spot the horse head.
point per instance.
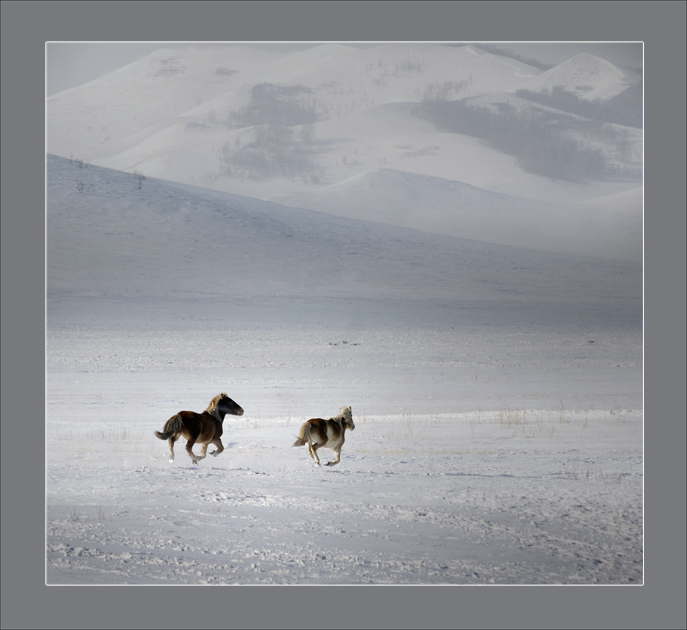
(225, 405)
(346, 416)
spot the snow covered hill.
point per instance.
(111, 233)
(586, 76)
(457, 209)
(209, 84)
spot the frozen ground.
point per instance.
(489, 452)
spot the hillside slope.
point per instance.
(109, 233)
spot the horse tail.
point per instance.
(303, 435)
(174, 425)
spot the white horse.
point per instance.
(329, 433)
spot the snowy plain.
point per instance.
(496, 391)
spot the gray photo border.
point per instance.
(29, 603)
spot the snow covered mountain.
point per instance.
(586, 76)
(393, 133)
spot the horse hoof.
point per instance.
(171, 461)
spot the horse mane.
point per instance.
(212, 407)
(345, 416)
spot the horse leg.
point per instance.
(312, 449)
(203, 451)
(171, 449)
(218, 443)
(189, 450)
(337, 457)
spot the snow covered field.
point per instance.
(511, 466)
(496, 391)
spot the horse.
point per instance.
(329, 433)
(205, 428)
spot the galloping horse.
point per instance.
(329, 433)
(204, 428)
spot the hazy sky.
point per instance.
(69, 64)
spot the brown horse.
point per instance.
(329, 433)
(204, 428)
